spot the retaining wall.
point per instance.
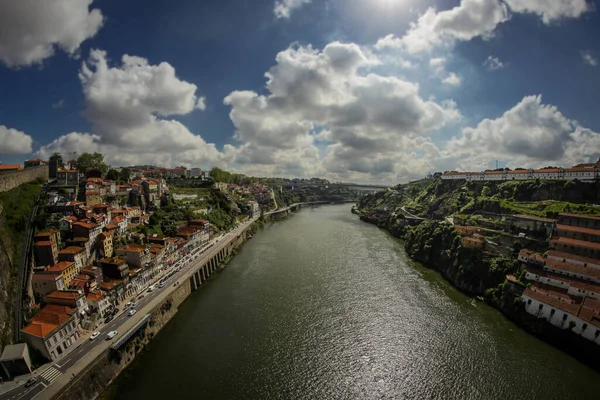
(11, 179)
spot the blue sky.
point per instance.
(363, 90)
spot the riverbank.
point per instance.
(436, 245)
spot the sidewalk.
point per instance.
(21, 379)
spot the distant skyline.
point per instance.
(380, 91)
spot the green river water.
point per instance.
(324, 306)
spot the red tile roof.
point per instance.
(579, 216)
(552, 298)
(62, 295)
(71, 250)
(573, 268)
(571, 228)
(60, 266)
(45, 243)
(575, 242)
(574, 257)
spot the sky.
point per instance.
(379, 91)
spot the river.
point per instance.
(325, 306)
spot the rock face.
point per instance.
(7, 285)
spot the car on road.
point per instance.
(150, 288)
(141, 296)
(131, 312)
(115, 311)
(161, 285)
(128, 305)
(111, 335)
(108, 318)
(31, 381)
(94, 335)
(134, 304)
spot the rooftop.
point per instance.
(567, 215)
(45, 243)
(573, 268)
(63, 295)
(570, 228)
(533, 218)
(13, 352)
(60, 266)
(573, 257)
(575, 242)
(552, 298)
(72, 250)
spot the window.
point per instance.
(528, 301)
(54, 339)
(552, 312)
(541, 306)
(583, 327)
(564, 317)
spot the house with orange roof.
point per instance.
(105, 244)
(67, 177)
(98, 301)
(135, 254)
(72, 298)
(44, 283)
(74, 254)
(88, 230)
(52, 330)
(46, 253)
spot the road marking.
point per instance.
(51, 374)
(58, 366)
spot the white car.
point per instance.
(128, 305)
(131, 312)
(94, 335)
(150, 288)
(111, 335)
(161, 285)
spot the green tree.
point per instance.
(125, 174)
(112, 175)
(486, 191)
(91, 160)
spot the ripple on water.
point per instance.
(323, 306)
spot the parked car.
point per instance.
(134, 305)
(108, 318)
(150, 288)
(115, 311)
(111, 335)
(131, 312)
(128, 305)
(94, 335)
(31, 381)
(161, 285)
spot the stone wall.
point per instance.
(11, 179)
(102, 371)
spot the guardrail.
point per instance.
(123, 339)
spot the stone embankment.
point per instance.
(11, 179)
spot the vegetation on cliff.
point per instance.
(437, 199)
(16, 205)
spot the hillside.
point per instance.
(15, 206)
(437, 199)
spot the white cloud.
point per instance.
(13, 141)
(551, 11)
(58, 104)
(529, 134)
(31, 29)
(325, 112)
(471, 18)
(493, 63)
(589, 58)
(127, 106)
(284, 8)
(438, 67)
(452, 79)
(475, 18)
